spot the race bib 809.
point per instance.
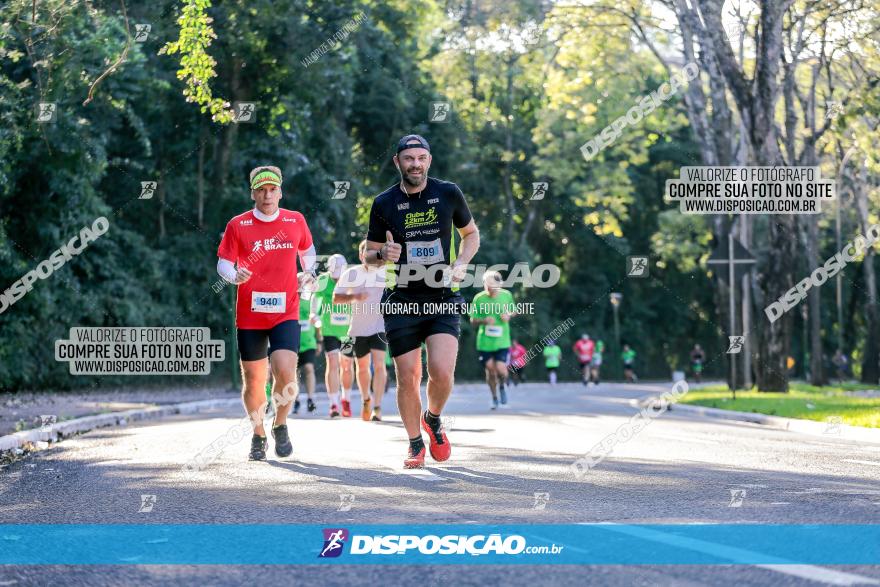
(424, 252)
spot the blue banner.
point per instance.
(579, 544)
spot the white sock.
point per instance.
(553, 378)
(334, 398)
(346, 393)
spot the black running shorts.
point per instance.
(407, 331)
(500, 355)
(254, 345)
(306, 358)
(364, 344)
(331, 343)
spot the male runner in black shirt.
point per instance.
(412, 224)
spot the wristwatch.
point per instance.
(379, 252)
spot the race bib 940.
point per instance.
(269, 302)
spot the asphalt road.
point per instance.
(508, 467)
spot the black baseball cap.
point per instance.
(413, 142)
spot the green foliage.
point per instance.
(196, 64)
(528, 88)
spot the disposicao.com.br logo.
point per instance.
(430, 544)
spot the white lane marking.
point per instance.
(821, 574)
(528, 413)
(815, 490)
(468, 473)
(423, 474)
(686, 439)
(780, 503)
(381, 490)
(876, 464)
(736, 554)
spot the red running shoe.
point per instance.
(439, 444)
(346, 408)
(414, 461)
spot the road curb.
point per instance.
(812, 427)
(61, 430)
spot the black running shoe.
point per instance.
(310, 405)
(258, 448)
(296, 405)
(283, 446)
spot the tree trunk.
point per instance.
(871, 360)
(756, 102)
(230, 133)
(745, 237)
(774, 345)
(817, 355)
(200, 204)
(468, 19)
(808, 158)
(508, 147)
(161, 193)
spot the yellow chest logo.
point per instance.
(415, 219)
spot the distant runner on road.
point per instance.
(552, 354)
(517, 362)
(492, 310)
(697, 358)
(583, 350)
(335, 320)
(628, 356)
(596, 363)
(362, 286)
(309, 346)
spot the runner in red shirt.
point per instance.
(517, 362)
(583, 349)
(258, 253)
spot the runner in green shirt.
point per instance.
(552, 355)
(596, 363)
(309, 345)
(492, 309)
(335, 319)
(629, 357)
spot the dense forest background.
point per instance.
(528, 83)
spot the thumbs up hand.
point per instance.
(390, 250)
